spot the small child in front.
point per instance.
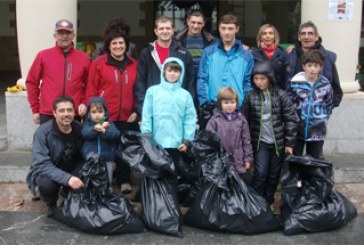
(233, 129)
(312, 96)
(169, 113)
(273, 128)
(101, 136)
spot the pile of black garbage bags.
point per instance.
(206, 181)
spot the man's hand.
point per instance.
(36, 118)
(75, 183)
(288, 150)
(246, 165)
(182, 148)
(132, 118)
(82, 110)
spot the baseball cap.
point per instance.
(64, 25)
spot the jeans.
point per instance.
(313, 148)
(267, 171)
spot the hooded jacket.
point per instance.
(104, 144)
(234, 137)
(313, 105)
(283, 117)
(168, 112)
(219, 68)
(292, 65)
(114, 85)
(149, 70)
(61, 75)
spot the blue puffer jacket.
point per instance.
(168, 112)
(102, 144)
(313, 105)
(219, 68)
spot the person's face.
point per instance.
(228, 32)
(64, 114)
(228, 106)
(117, 48)
(64, 39)
(195, 25)
(171, 75)
(261, 81)
(307, 37)
(97, 114)
(164, 31)
(312, 71)
(267, 37)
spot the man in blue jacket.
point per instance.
(56, 154)
(224, 64)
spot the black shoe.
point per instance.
(51, 209)
(36, 195)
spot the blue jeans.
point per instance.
(267, 171)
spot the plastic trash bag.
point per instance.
(225, 202)
(160, 207)
(95, 208)
(205, 112)
(309, 202)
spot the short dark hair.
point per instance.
(196, 13)
(116, 24)
(162, 19)
(307, 25)
(313, 56)
(114, 34)
(227, 93)
(61, 99)
(228, 19)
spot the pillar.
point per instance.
(339, 36)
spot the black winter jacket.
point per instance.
(48, 152)
(283, 116)
(149, 71)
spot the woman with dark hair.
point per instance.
(112, 76)
(268, 50)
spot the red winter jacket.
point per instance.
(116, 87)
(60, 75)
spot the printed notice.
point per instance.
(341, 9)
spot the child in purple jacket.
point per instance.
(233, 130)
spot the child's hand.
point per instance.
(105, 124)
(100, 128)
(288, 150)
(246, 165)
(182, 148)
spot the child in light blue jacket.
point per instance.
(168, 113)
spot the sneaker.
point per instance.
(125, 188)
(51, 209)
(36, 195)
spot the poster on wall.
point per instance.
(341, 9)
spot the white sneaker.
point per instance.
(125, 188)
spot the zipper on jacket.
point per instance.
(126, 77)
(309, 108)
(271, 124)
(260, 120)
(64, 73)
(121, 76)
(116, 76)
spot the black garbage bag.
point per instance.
(225, 202)
(309, 202)
(160, 207)
(205, 112)
(95, 208)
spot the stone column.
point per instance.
(35, 20)
(339, 36)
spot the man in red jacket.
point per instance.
(58, 71)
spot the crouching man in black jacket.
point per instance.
(56, 154)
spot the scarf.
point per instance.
(269, 51)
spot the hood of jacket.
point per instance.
(263, 68)
(94, 100)
(177, 84)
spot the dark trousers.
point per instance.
(267, 171)
(49, 189)
(122, 171)
(313, 148)
(45, 118)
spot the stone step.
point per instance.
(348, 168)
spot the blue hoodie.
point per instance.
(168, 112)
(102, 144)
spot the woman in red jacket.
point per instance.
(112, 76)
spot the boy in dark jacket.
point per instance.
(312, 97)
(100, 135)
(273, 123)
(233, 129)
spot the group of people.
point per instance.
(269, 101)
